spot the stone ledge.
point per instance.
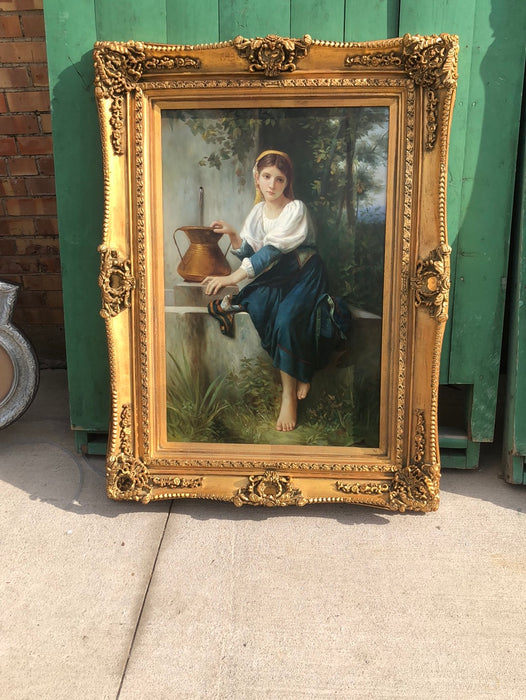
(192, 294)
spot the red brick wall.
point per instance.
(29, 253)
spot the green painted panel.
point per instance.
(77, 151)
(250, 19)
(322, 20)
(192, 22)
(519, 310)
(121, 20)
(454, 18)
(367, 21)
(489, 171)
(514, 442)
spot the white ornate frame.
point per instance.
(416, 77)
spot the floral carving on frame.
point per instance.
(431, 283)
(115, 281)
(269, 489)
(273, 54)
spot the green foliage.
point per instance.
(233, 135)
(252, 417)
(200, 412)
(193, 406)
(326, 417)
(367, 405)
(331, 416)
(361, 281)
(258, 386)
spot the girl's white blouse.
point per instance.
(286, 232)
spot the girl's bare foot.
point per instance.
(287, 415)
(302, 390)
(289, 404)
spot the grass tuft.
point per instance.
(193, 405)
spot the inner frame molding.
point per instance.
(145, 91)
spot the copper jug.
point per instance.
(204, 257)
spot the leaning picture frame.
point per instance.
(283, 352)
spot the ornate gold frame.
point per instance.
(415, 75)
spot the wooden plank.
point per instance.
(514, 438)
(121, 20)
(70, 39)
(366, 21)
(192, 22)
(322, 20)
(517, 335)
(250, 19)
(489, 170)
(454, 18)
(78, 169)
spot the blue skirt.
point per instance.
(298, 322)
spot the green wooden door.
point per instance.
(514, 442)
(482, 162)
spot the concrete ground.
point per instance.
(199, 599)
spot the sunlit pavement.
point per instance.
(199, 599)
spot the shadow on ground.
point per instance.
(485, 483)
(37, 455)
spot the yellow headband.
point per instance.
(274, 153)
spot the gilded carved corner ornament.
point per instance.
(118, 69)
(431, 283)
(273, 54)
(129, 477)
(416, 486)
(432, 63)
(115, 281)
(269, 489)
(429, 61)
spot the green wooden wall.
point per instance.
(481, 173)
(514, 433)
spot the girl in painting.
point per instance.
(298, 322)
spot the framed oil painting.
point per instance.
(275, 268)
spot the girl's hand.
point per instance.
(214, 284)
(220, 226)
